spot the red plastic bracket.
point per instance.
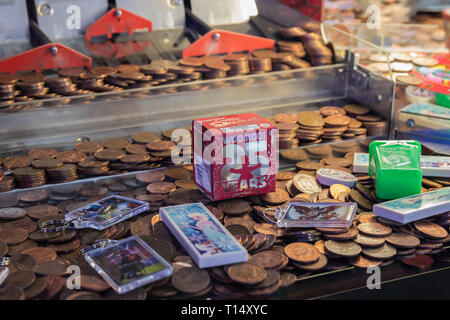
(117, 21)
(221, 41)
(117, 50)
(47, 56)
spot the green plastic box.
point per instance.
(395, 168)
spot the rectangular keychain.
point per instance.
(127, 264)
(312, 215)
(206, 240)
(98, 215)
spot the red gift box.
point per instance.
(234, 156)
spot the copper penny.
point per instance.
(41, 254)
(178, 173)
(191, 280)
(315, 266)
(46, 163)
(320, 246)
(71, 156)
(150, 176)
(268, 259)
(234, 207)
(431, 229)
(331, 111)
(308, 165)
(287, 279)
(403, 240)
(356, 109)
(268, 229)
(136, 149)
(88, 147)
(277, 197)
(92, 164)
(302, 252)
(43, 153)
(135, 158)
(363, 262)
(366, 241)
(384, 252)
(55, 267)
(375, 229)
(285, 118)
(109, 155)
(21, 279)
(55, 284)
(10, 292)
(160, 145)
(310, 119)
(145, 137)
(12, 213)
(116, 143)
(247, 273)
(336, 190)
(93, 283)
(161, 187)
(36, 288)
(14, 162)
(25, 224)
(41, 210)
(13, 235)
(420, 261)
(337, 120)
(347, 249)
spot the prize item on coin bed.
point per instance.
(4, 272)
(128, 264)
(315, 215)
(395, 168)
(206, 240)
(415, 207)
(431, 166)
(329, 177)
(106, 212)
(245, 156)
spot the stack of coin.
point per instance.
(287, 135)
(335, 126)
(238, 63)
(292, 33)
(112, 157)
(260, 64)
(7, 88)
(64, 173)
(61, 85)
(7, 183)
(311, 127)
(92, 167)
(32, 85)
(319, 54)
(294, 47)
(29, 177)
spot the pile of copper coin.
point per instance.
(143, 151)
(76, 81)
(331, 124)
(278, 257)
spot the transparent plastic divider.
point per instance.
(344, 39)
(139, 107)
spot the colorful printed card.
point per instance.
(106, 212)
(415, 207)
(205, 239)
(128, 264)
(312, 215)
